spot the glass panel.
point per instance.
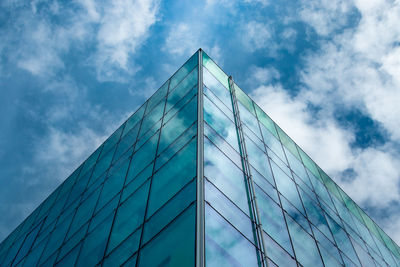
(169, 211)
(272, 220)
(265, 120)
(129, 216)
(126, 249)
(144, 156)
(220, 123)
(184, 70)
(277, 253)
(156, 97)
(174, 246)
(215, 70)
(134, 119)
(224, 245)
(94, 244)
(186, 98)
(150, 119)
(225, 175)
(177, 93)
(172, 177)
(210, 95)
(229, 211)
(180, 122)
(304, 245)
(217, 88)
(249, 119)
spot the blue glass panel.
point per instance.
(277, 253)
(184, 70)
(304, 245)
(217, 88)
(224, 245)
(225, 175)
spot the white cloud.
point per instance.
(257, 35)
(123, 27)
(326, 16)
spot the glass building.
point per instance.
(199, 175)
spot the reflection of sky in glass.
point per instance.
(224, 245)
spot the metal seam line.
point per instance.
(200, 254)
(247, 171)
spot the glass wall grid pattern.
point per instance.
(133, 202)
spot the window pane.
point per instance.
(174, 246)
(172, 177)
(304, 245)
(129, 216)
(225, 175)
(175, 94)
(224, 245)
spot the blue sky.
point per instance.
(327, 71)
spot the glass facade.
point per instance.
(199, 175)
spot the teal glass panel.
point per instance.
(265, 120)
(225, 246)
(264, 185)
(180, 122)
(328, 259)
(182, 89)
(111, 141)
(73, 241)
(180, 103)
(113, 184)
(176, 145)
(225, 175)
(169, 211)
(84, 212)
(168, 180)
(174, 246)
(272, 220)
(94, 245)
(70, 258)
(229, 211)
(126, 249)
(288, 142)
(135, 182)
(100, 215)
(126, 142)
(156, 97)
(143, 156)
(129, 216)
(217, 88)
(244, 99)
(220, 123)
(150, 119)
(277, 253)
(103, 164)
(295, 214)
(215, 70)
(183, 71)
(134, 119)
(258, 159)
(304, 245)
(297, 166)
(89, 163)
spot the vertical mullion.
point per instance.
(248, 175)
(200, 220)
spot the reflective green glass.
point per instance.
(168, 180)
(94, 245)
(183, 71)
(134, 119)
(126, 249)
(225, 246)
(176, 94)
(288, 142)
(134, 183)
(174, 246)
(180, 122)
(143, 156)
(217, 88)
(265, 120)
(215, 70)
(169, 211)
(129, 216)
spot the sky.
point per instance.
(326, 71)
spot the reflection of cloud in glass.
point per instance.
(224, 245)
